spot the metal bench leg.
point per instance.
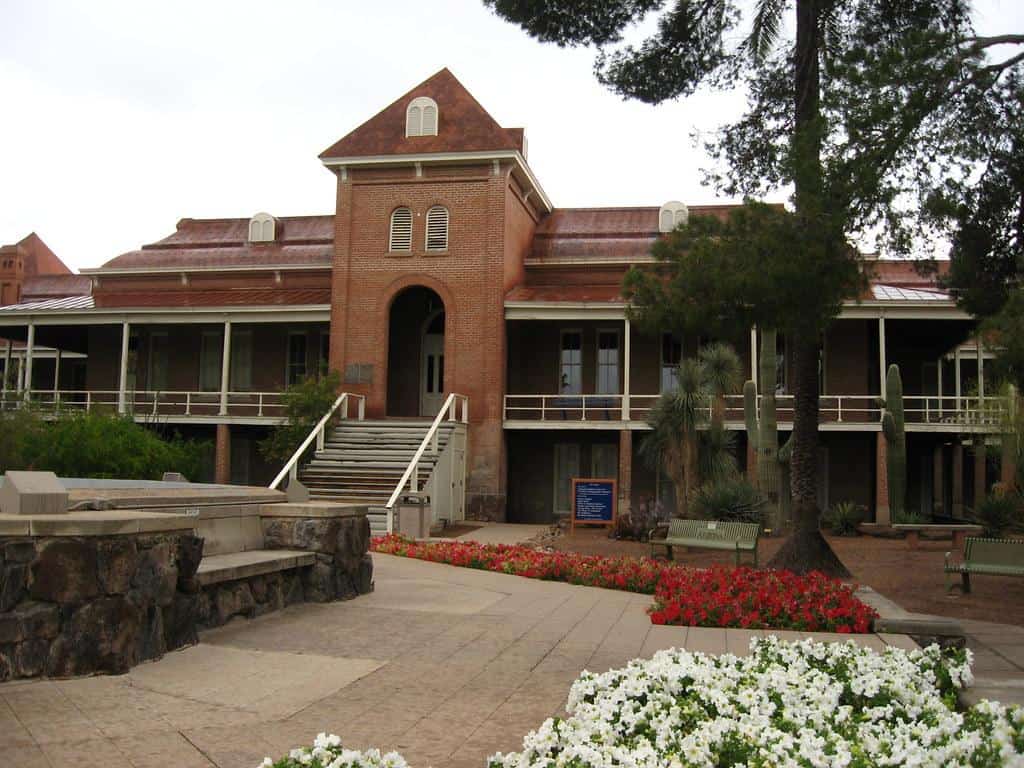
(668, 550)
(966, 577)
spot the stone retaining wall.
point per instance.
(81, 605)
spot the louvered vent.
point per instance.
(437, 228)
(672, 215)
(429, 121)
(421, 117)
(667, 221)
(413, 120)
(401, 230)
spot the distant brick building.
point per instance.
(445, 268)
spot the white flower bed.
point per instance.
(812, 705)
(787, 704)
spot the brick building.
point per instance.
(446, 269)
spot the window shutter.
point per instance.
(437, 228)
(429, 121)
(667, 221)
(413, 121)
(682, 216)
(401, 230)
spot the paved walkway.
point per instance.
(998, 661)
(447, 665)
(503, 533)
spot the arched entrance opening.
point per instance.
(416, 353)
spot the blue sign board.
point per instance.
(593, 501)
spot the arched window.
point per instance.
(672, 214)
(262, 228)
(421, 117)
(437, 228)
(401, 230)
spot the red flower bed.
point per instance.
(714, 597)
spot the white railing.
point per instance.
(291, 469)
(152, 402)
(448, 412)
(832, 409)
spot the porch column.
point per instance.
(7, 368)
(956, 376)
(625, 471)
(938, 482)
(979, 469)
(625, 377)
(938, 388)
(883, 514)
(753, 357)
(981, 371)
(225, 368)
(29, 349)
(881, 356)
(1008, 463)
(122, 384)
(222, 455)
(958, 480)
(56, 374)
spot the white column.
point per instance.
(7, 368)
(753, 355)
(225, 368)
(29, 349)
(122, 384)
(981, 370)
(939, 383)
(56, 374)
(881, 356)
(956, 374)
(625, 375)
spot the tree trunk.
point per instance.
(806, 549)
(689, 458)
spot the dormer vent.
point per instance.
(672, 214)
(262, 228)
(421, 117)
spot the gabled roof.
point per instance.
(37, 256)
(463, 126)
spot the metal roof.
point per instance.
(883, 292)
(52, 305)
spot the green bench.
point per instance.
(709, 534)
(996, 557)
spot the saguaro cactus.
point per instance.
(762, 430)
(896, 443)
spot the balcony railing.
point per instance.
(832, 409)
(140, 403)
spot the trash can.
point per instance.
(413, 513)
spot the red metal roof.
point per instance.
(463, 126)
(219, 298)
(55, 287)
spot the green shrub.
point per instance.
(998, 513)
(843, 518)
(95, 445)
(732, 500)
(305, 403)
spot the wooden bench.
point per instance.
(959, 532)
(710, 534)
(996, 557)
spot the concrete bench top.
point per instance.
(214, 569)
(109, 522)
(938, 527)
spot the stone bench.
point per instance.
(959, 532)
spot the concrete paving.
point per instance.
(503, 533)
(998, 661)
(447, 665)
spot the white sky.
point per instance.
(119, 118)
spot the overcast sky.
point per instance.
(119, 118)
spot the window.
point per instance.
(671, 357)
(241, 360)
(296, 366)
(437, 228)
(261, 228)
(158, 354)
(421, 117)
(607, 362)
(211, 353)
(401, 230)
(567, 466)
(570, 371)
(323, 362)
(672, 215)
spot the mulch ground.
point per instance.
(912, 578)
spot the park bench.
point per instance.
(710, 534)
(959, 532)
(996, 557)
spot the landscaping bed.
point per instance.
(786, 704)
(715, 597)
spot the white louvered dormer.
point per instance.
(262, 228)
(421, 117)
(672, 214)
(437, 228)
(400, 238)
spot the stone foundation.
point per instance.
(82, 605)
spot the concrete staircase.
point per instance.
(362, 462)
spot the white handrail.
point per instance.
(430, 437)
(292, 467)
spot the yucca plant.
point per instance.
(843, 518)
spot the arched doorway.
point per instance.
(416, 375)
